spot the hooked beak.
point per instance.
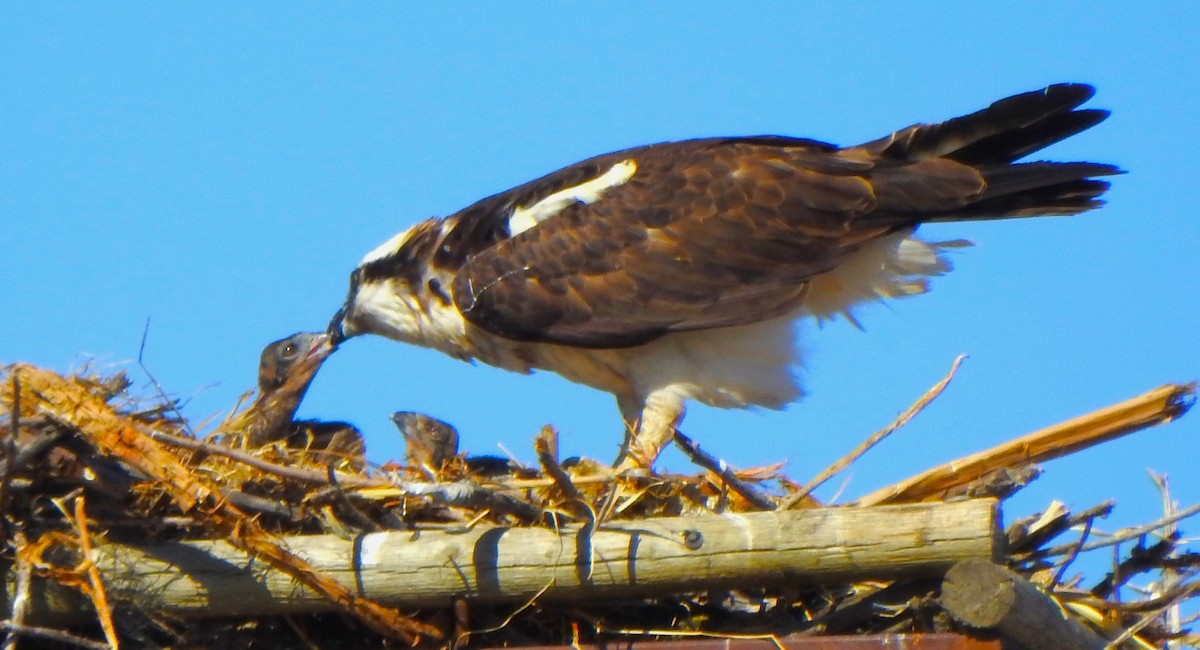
(336, 331)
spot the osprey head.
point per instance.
(296, 359)
(400, 291)
(388, 264)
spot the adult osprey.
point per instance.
(675, 271)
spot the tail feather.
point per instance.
(1016, 114)
(1010, 146)
(1012, 179)
(991, 141)
(1061, 199)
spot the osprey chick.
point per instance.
(675, 271)
(286, 368)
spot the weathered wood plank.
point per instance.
(494, 564)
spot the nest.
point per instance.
(88, 465)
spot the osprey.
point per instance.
(675, 271)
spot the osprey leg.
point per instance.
(652, 430)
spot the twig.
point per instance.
(1075, 550)
(1074, 553)
(508, 619)
(1170, 577)
(1141, 559)
(97, 591)
(1179, 592)
(535, 483)
(722, 469)
(690, 634)
(261, 505)
(162, 394)
(1038, 538)
(301, 633)
(546, 446)
(466, 493)
(795, 499)
(1168, 600)
(1126, 534)
(50, 634)
(298, 474)
(360, 520)
(21, 600)
(10, 451)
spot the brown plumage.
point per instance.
(661, 273)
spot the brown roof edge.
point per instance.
(931, 641)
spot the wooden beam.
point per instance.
(1158, 406)
(983, 595)
(501, 564)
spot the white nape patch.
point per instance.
(524, 218)
(895, 266)
(386, 248)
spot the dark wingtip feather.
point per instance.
(1064, 96)
(1005, 131)
(1014, 144)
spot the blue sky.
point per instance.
(221, 168)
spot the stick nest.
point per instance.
(86, 463)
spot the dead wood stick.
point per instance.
(96, 590)
(546, 447)
(795, 499)
(21, 601)
(504, 564)
(460, 493)
(251, 503)
(51, 634)
(1158, 406)
(980, 594)
(10, 454)
(1141, 560)
(702, 458)
(294, 473)
(469, 494)
(1031, 541)
(1123, 535)
(1157, 602)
